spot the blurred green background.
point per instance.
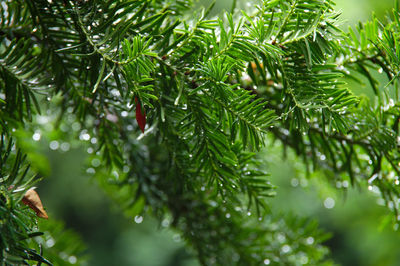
(361, 232)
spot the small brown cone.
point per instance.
(32, 199)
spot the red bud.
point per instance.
(140, 115)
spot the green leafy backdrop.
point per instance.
(91, 185)
(356, 222)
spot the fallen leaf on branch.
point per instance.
(32, 199)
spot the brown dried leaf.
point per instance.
(32, 199)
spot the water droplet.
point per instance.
(84, 136)
(42, 119)
(177, 238)
(138, 219)
(50, 242)
(65, 146)
(36, 136)
(96, 162)
(125, 169)
(54, 145)
(72, 259)
(76, 126)
(115, 174)
(281, 237)
(304, 260)
(329, 203)
(286, 249)
(165, 223)
(90, 170)
(294, 182)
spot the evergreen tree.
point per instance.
(177, 106)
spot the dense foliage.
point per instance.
(210, 93)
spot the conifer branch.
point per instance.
(209, 94)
